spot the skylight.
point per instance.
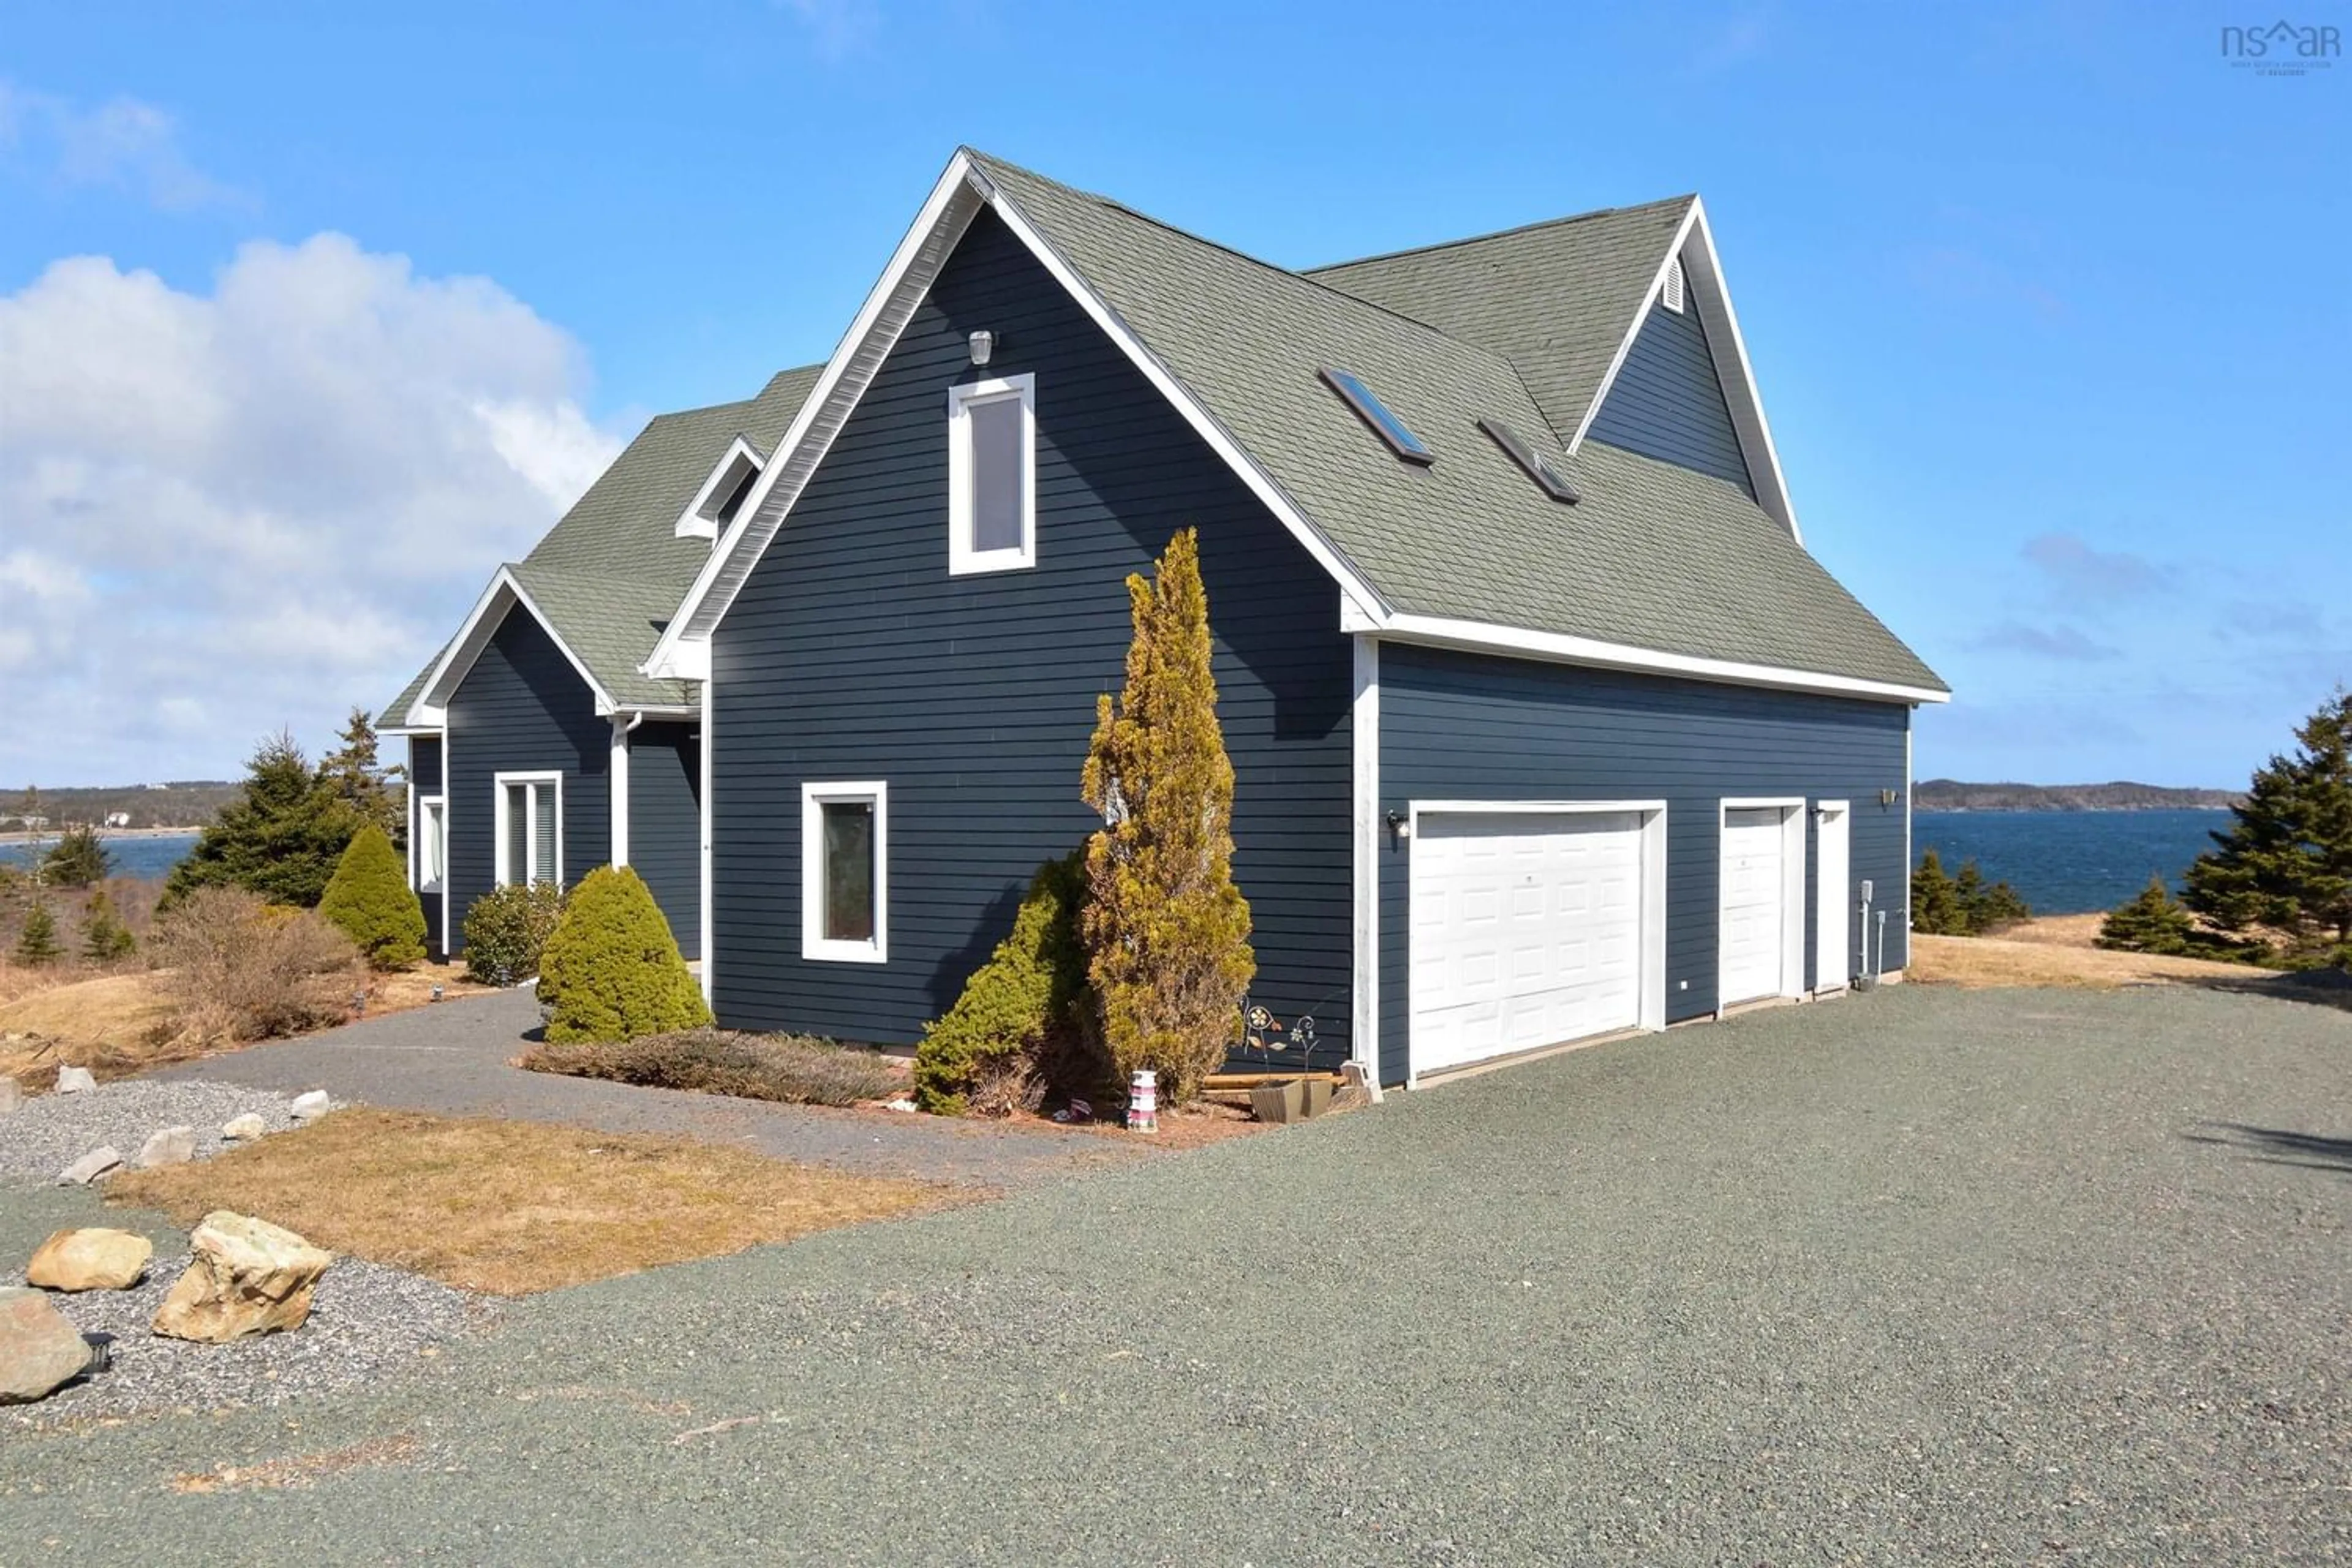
(1378, 415)
(1539, 464)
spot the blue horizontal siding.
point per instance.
(665, 824)
(852, 655)
(523, 709)
(424, 779)
(1667, 402)
(1457, 726)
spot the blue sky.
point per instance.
(2045, 303)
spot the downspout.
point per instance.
(616, 788)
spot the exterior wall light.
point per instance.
(983, 345)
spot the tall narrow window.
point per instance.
(529, 829)
(432, 842)
(845, 872)
(993, 475)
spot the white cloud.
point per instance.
(123, 143)
(222, 513)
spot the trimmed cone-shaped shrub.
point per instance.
(1167, 932)
(370, 901)
(612, 970)
(1016, 1021)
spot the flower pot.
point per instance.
(1318, 1095)
(1281, 1103)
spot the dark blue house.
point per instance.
(1544, 722)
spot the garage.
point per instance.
(1763, 920)
(1532, 926)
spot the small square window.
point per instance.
(992, 475)
(845, 872)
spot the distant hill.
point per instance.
(183, 802)
(1950, 794)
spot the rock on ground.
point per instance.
(310, 1104)
(11, 1097)
(171, 1146)
(247, 1276)
(244, 1129)
(90, 1258)
(75, 1080)
(54, 1129)
(40, 1351)
(90, 1167)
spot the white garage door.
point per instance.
(1755, 902)
(1526, 931)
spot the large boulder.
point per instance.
(246, 1276)
(89, 1259)
(90, 1167)
(40, 1351)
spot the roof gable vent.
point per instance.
(1672, 293)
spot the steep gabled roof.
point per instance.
(1668, 570)
(607, 576)
(1555, 299)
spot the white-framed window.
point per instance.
(432, 842)
(845, 872)
(529, 814)
(1673, 294)
(993, 475)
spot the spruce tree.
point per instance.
(1167, 932)
(37, 944)
(104, 937)
(360, 781)
(370, 901)
(2152, 922)
(281, 839)
(2283, 866)
(78, 860)
(1935, 901)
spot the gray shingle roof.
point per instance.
(1655, 557)
(1556, 298)
(612, 572)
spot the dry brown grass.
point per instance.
(2054, 951)
(511, 1207)
(120, 1025)
(297, 1470)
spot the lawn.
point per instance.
(2058, 949)
(512, 1207)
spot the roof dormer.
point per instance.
(722, 496)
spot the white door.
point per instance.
(1755, 902)
(1526, 931)
(1834, 935)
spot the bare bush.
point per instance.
(239, 968)
(794, 1070)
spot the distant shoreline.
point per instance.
(52, 834)
(2050, 809)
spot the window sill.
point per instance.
(845, 952)
(975, 565)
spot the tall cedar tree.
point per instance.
(104, 937)
(78, 860)
(2152, 922)
(2285, 866)
(281, 839)
(368, 898)
(37, 944)
(1167, 932)
(355, 774)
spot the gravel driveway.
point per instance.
(1923, 1276)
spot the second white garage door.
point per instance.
(1755, 902)
(1526, 931)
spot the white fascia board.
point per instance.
(961, 191)
(481, 624)
(691, 524)
(1708, 296)
(1480, 636)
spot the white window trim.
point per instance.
(814, 945)
(962, 559)
(500, 826)
(1792, 893)
(425, 806)
(1652, 1013)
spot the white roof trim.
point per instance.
(954, 201)
(1480, 636)
(1706, 293)
(432, 705)
(691, 523)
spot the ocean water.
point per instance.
(146, 858)
(2069, 862)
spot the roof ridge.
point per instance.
(1501, 233)
(1351, 297)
